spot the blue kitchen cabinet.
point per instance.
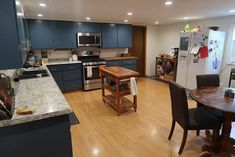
(41, 34)
(64, 35)
(67, 76)
(109, 36)
(89, 27)
(10, 56)
(124, 35)
(129, 64)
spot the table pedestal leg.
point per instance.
(226, 143)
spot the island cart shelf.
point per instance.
(117, 84)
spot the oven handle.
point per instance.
(96, 66)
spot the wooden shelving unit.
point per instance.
(165, 69)
(118, 88)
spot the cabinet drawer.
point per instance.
(114, 63)
(72, 67)
(128, 62)
(72, 75)
(70, 85)
(54, 68)
(131, 67)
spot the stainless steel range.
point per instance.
(90, 65)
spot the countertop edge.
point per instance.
(119, 58)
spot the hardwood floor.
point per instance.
(144, 133)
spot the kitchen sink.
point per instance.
(25, 74)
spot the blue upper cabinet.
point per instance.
(89, 27)
(109, 36)
(41, 34)
(10, 56)
(124, 35)
(64, 35)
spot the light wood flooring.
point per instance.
(102, 133)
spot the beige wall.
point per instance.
(168, 37)
(151, 49)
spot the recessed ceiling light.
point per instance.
(168, 3)
(19, 14)
(40, 15)
(232, 11)
(125, 20)
(88, 18)
(186, 18)
(156, 22)
(17, 3)
(42, 4)
(129, 13)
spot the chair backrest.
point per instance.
(208, 80)
(179, 104)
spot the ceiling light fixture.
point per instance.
(19, 14)
(186, 18)
(88, 18)
(156, 22)
(125, 20)
(40, 15)
(17, 3)
(129, 13)
(168, 3)
(232, 11)
(42, 4)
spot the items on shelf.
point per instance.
(165, 68)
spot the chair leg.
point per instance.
(172, 129)
(183, 142)
(198, 132)
(215, 138)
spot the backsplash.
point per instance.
(52, 54)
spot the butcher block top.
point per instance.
(119, 72)
(119, 58)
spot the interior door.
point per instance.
(139, 47)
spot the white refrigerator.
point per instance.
(190, 61)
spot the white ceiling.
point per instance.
(144, 11)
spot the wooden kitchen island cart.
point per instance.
(117, 80)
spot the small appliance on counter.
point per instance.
(44, 56)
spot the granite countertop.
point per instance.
(42, 94)
(119, 58)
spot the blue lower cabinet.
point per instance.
(67, 76)
(58, 79)
(72, 75)
(131, 67)
(114, 63)
(129, 64)
(72, 85)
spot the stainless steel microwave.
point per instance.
(89, 39)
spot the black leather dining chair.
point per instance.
(209, 80)
(188, 119)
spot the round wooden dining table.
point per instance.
(214, 97)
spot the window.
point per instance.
(233, 34)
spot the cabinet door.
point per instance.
(58, 79)
(65, 35)
(124, 35)
(89, 27)
(114, 63)
(109, 35)
(41, 33)
(10, 54)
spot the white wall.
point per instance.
(151, 49)
(168, 37)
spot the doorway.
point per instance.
(139, 48)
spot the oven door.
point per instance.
(91, 74)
